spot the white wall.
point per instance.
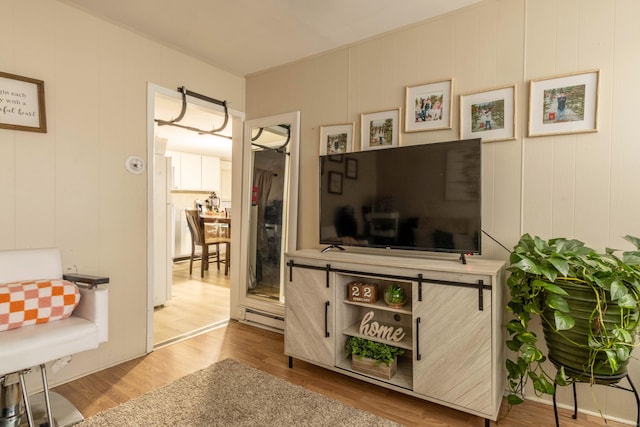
(581, 185)
(69, 187)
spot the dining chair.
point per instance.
(200, 238)
(218, 232)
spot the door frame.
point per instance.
(237, 118)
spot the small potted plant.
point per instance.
(372, 357)
(395, 296)
(589, 306)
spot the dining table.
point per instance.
(209, 218)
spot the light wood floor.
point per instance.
(196, 302)
(264, 350)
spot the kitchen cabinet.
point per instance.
(210, 167)
(451, 328)
(196, 172)
(225, 180)
(190, 171)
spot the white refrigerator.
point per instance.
(163, 229)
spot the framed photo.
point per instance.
(564, 104)
(336, 158)
(380, 129)
(22, 104)
(335, 182)
(336, 139)
(428, 106)
(489, 114)
(351, 168)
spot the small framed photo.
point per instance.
(564, 104)
(351, 168)
(428, 106)
(380, 129)
(22, 102)
(336, 139)
(335, 182)
(489, 114)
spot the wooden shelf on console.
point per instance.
(381, 305)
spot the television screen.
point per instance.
(421, 197)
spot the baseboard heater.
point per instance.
(260, 318)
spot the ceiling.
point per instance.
(247, 36)
(244, 37)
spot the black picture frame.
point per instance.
(351, 168)
(335, 182)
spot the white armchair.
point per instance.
(31, 346)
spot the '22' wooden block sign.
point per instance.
(363, 292)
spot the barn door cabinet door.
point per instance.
(453, 346)
(309, 314)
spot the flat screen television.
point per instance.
(421, 197)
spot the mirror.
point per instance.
(271, 165)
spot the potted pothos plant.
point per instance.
(589, 306)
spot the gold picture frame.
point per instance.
(427, 106)
(380, 129)
(489, 114)
(336, 139)
(564, 104)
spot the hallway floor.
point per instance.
(195, 304)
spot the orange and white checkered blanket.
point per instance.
(36, 301)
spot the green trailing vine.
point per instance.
(539, 270)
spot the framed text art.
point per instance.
(564, 104)
(336, 139)
(380, 129)
(22, 104)
(428, 106)
(489, 114)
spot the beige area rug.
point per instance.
(230, 393)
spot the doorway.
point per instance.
(187, 168)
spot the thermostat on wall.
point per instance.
(134, 164)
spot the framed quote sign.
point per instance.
(22, 103)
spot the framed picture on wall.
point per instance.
(489, 114)
(22, 103)
(335, 182)
(564, 104)
(351, 168)
(380, 129)
(336, 139)
(428, 106)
